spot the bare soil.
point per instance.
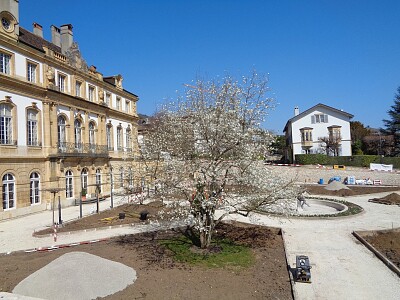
(353, 190)
(387, 243)
(111, 217)
(160, 277)
(391, 199)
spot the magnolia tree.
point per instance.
(206, 149)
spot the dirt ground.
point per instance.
(131, 214)
(159, 277)
(387, 243)
(352, 191)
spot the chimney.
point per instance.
(296, 111)
(66, 37)
(38, 30)
(55, 36)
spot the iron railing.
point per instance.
(82, 148)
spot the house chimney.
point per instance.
(296, 111)
(55, 36)
(66, 37)
(38, 30)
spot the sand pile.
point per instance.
(336, 186)
(391, 199)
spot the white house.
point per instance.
(305, 132)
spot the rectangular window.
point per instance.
(31, 69)
(119, 138)
(5, 125)
(32, 128)
(319, 118)
(109, 141)
(91, 93)
(61, 82)
(78, 86)
(118, 103)
(108, 99)
(5, 61)
(127, 106)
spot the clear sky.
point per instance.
(342, 53)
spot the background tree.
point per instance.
(392, 125)
(358, 132)
(278, 145)
(211, 145)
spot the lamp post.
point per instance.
(111, 189)
(55, 191)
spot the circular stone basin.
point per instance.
(320, 207)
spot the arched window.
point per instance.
(34, 188)
(98, 179)
(69, 190)
(8, 191)
(84, 179)
(78, 134)
(128, 140)
(61, 131)
(32, 127)
(91, 133)
(6, 125)
(130, 177)
(109, 137)
(119, 138)
(121, 177)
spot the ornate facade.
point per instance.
(63, 125)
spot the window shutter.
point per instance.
(312, 119)
(326, 118)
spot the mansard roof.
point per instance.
(34, 41)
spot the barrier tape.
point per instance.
(56, 247)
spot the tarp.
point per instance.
(381, 167)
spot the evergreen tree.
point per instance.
(393, 124)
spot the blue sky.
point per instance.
(345, 54)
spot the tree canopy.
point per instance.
(392, 125)
(211, 146)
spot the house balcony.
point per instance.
(81, 150)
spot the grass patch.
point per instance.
(221, 254)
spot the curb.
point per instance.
(34, 234)
(292, 283)
(56, 247)
(386, 261)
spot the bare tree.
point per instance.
(211, 146)
(331, 144)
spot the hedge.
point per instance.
(354, 161)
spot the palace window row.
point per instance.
(64, 83)
(84, 182)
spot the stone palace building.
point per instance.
(65, 129)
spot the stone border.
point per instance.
(321, 216)
(289, 268)
(386, 261)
